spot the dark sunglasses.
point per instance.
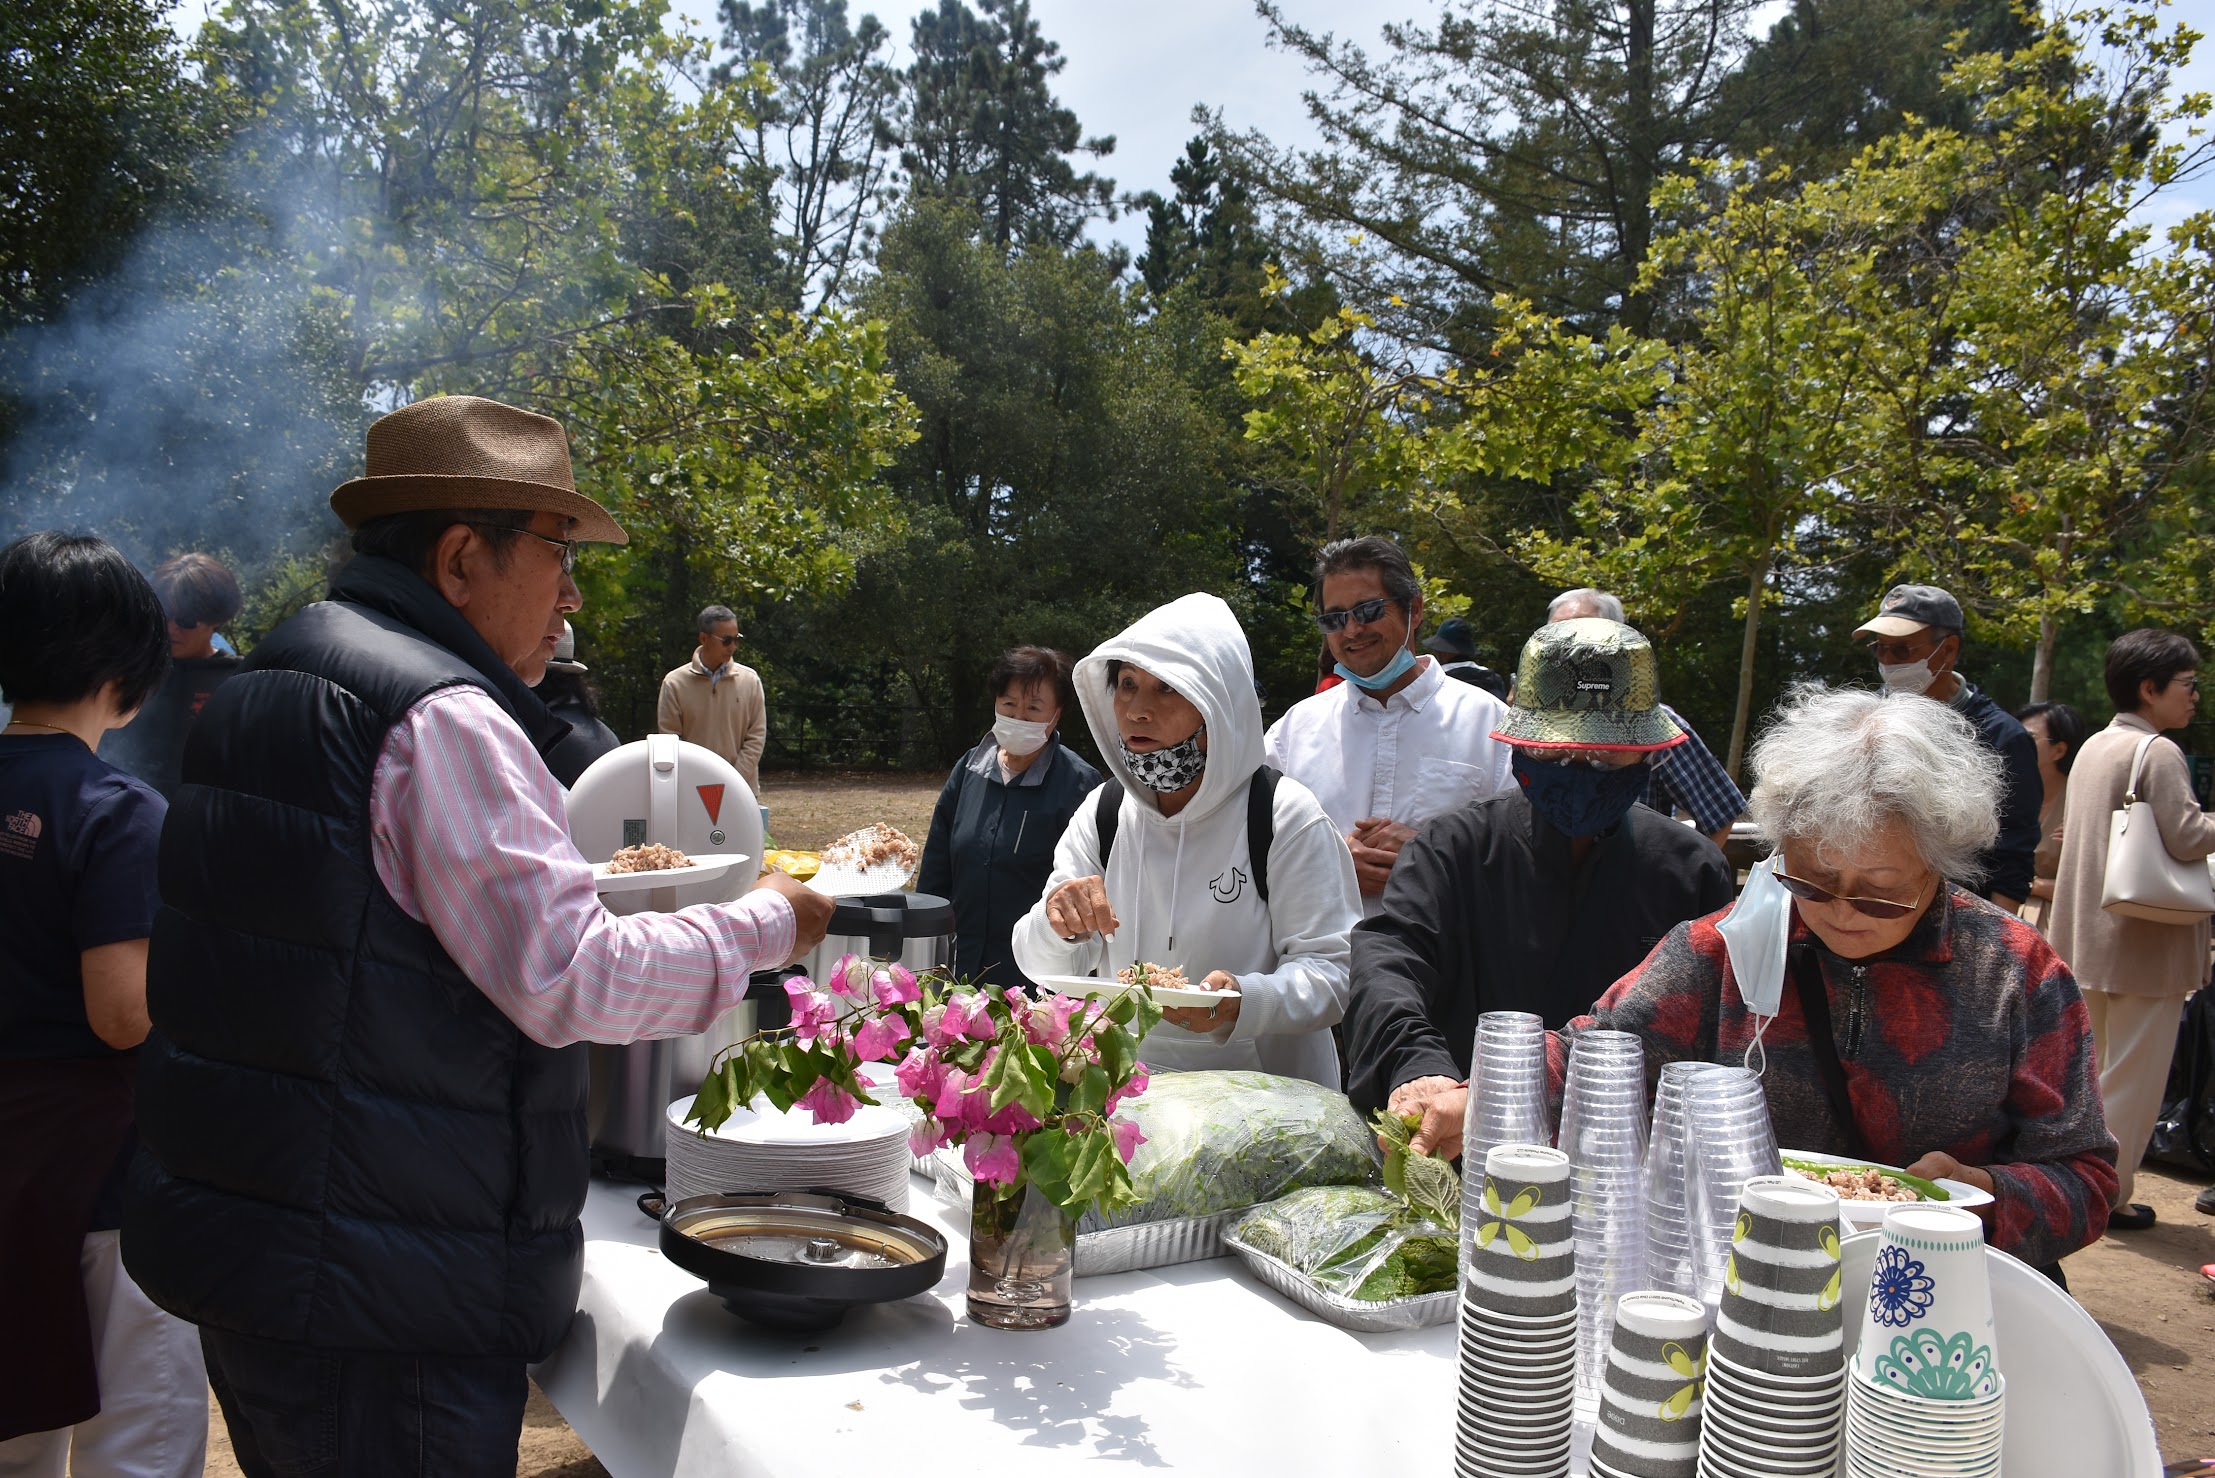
(1366, 612)
(1875, 908)
(568, 547)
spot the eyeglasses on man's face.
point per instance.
(568, 547)
(1365, 613)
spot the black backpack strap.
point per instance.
(1815, 1010)
(1109, 813)
(1261, 824)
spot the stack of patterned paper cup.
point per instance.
(1507, 1098)
(1669, 1263)
(1776, 1362)
(1732, 1141)
(1603, 1132)
(1927, 1397)
(1649, 1423)
(1518, 1320)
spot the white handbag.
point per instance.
(2143, 881)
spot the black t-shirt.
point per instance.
(152, 745)
(77, 849)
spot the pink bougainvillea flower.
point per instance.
(927, 1135)
(1132, 1089)
(1047, 1023)
(920, 1073)
(895, 987)
(1127, 1137)
(842, 975)
(812, 1011)
(992, 1159)
(879, 1038)
(829, 1103)
(971, 1016)
(952, 1089)
(1014, 1119)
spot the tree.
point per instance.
(1067, 477)
(100, 131)
(527, 202)
(983, 127)
(1508, 147)
(1834, 76)
(1206, 234)
(2065, 395)
(815, 148)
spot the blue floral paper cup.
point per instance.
(1929, 1288)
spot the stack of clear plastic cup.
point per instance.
(1669, 1264)
(1603, 1131)
(1732, 1141)
(1507, 1102)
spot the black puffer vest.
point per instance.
(346, 1144)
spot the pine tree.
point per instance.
(982, 126)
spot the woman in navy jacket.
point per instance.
(1003, 808)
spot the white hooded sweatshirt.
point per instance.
(1182, 886)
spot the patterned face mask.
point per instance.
(1170, 769)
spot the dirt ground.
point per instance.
(2144, 1288)
(809, 809)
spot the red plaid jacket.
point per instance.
(1970, 1037)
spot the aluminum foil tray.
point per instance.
(1390, 1317)
(1129, 1249)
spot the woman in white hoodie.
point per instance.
(1172, 707)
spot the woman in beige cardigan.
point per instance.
(2135, 973)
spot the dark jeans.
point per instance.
(298, 1412)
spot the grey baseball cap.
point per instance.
(1907, 609)
(565, 652)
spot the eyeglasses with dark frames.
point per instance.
(1366, 612)
(568, 547)
(1875, 908)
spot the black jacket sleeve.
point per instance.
(1403, 962)
(934, 871)
(2010, 860)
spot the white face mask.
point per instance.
(1019, 736)
(1906, 677)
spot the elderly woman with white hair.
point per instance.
(1919, 1026)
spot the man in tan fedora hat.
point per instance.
(362, 1103)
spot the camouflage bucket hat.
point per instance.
(1589, 684)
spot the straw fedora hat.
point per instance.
(462, 451)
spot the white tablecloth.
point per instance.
(1195, 1368)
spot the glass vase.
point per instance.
(1022, 1250)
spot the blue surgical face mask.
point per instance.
(1578, 800)
(1391, 673)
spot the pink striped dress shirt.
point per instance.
(469, 837)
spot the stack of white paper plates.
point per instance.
(759, 1149)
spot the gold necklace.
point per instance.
(32, 723)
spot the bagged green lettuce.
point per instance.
(1355, 1241)
(1223, 1141)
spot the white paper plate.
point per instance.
(703, 870)
(1863, 1215)
(1084, 985)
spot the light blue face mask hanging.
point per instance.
(1393, 671)
(1755, 935)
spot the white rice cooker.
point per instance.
(661, 790)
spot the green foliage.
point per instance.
(1062, 1077)
(100, 130)
(982, 126)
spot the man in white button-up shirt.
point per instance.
(1397, 742)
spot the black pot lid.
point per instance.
(910, 915)
(805, 1232)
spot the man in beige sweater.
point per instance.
(716, 702)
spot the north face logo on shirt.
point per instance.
(26, 824)
(1228, 887)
